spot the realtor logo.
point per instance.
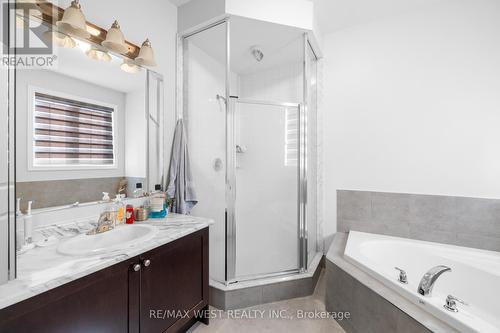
(30, 45)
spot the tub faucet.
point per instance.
(429, 278)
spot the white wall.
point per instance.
(58, 83)
(282, 83)
(411, 104)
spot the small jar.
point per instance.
(141, 214)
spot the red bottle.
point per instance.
(130, 215)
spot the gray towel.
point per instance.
(180, 183)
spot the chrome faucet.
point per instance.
(105, 223)
(451, 303)
(429, 278)
(402, 276)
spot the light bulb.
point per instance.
(59, 39)
(96, 54)
(84, 46)
(129, 67)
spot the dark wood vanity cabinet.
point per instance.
(174, 282)
(161, 290)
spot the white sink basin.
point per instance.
(121, 237)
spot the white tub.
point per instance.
(475, 276)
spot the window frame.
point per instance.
(32, 90)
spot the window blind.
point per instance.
(70, 132)
(292, 137)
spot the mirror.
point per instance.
(82, 128)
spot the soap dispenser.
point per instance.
(105, 197)
(120, 209)
(18, 207)
(138, 192)
(20, 238)
(28, 225)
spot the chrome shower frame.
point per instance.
(230, 104)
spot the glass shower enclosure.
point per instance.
(247, 94)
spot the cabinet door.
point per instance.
(175, 283)
(95, 303)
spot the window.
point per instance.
(291, 136)
(68, 132)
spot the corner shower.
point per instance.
(247, 93)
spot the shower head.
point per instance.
(257, 53)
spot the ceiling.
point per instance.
(279, 44)
(333, 15)
(179, 2)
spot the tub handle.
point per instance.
(451, 303)
(402, 275)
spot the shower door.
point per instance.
(252, 156)
(264, 188)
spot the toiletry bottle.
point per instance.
(141, 213)
(120, 209)
(138, 192)
(130, 215)
(28, 225)
(18, 207)
(111, 214)
(157, 203)
(20, 239)
(105, 197)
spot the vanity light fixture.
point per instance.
(73, 21)
(146, 55)
(97, 54)
(130, 67)
(115, 41)
(59, 39)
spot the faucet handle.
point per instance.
(402, 275)
(451, 303)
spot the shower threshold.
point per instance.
(259, 290)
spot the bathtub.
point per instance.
(475, 276)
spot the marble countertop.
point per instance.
(43, 268)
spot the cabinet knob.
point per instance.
(136, 267)
(146, 262)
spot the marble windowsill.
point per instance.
(43, 268)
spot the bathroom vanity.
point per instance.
(156, 286)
